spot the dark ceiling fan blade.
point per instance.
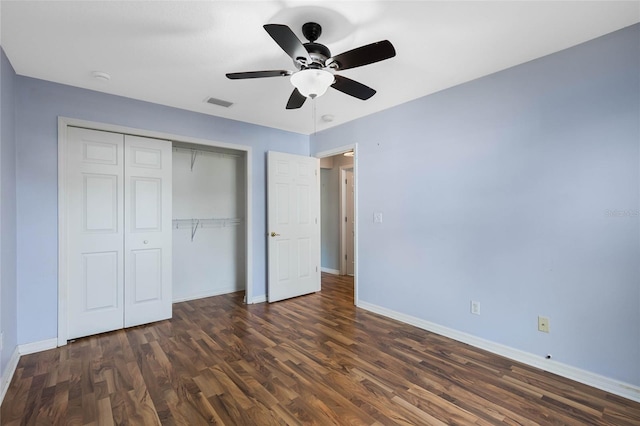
(288, 41)
(352, 87)
(296, 100)
(364, 55)
(258, 74)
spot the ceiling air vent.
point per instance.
(219, 102)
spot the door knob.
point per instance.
(273, 234)
(146, 241)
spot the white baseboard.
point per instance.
(607, 384)
(10, 370)
(258, 299)
(216, 292)
(330, 271)
(42, 345)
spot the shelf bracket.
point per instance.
(195, 223)
(194, 154)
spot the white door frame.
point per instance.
(344, 267)
(63, 124)
(337, 151)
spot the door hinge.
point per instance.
(345, 257)
(316, 269)
(345, 218)
(345, 181)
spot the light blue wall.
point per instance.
(8, 287)
(39, 103)
(501, 191)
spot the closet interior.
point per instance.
(209, 242)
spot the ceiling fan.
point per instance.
(316, 67)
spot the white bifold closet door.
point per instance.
(118, 209)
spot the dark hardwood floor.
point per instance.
(311, 360)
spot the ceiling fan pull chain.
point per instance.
(315, 122)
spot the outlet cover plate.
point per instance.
(543, 324)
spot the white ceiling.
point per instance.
(176, 53)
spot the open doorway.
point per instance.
(338, 201)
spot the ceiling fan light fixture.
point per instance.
(312, 83)
(316, 65)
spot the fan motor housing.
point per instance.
(319, 53)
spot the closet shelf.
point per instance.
(195, 224)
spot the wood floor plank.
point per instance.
(310, 360)
(105, 412)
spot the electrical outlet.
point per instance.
(543, 324)
(475, 307)
(377, 217)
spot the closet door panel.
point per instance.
(146, 275)
(100, 202)
(146, 211)
(94, 213)
(100, 271)
(148, 186)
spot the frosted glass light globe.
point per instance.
(312, 82)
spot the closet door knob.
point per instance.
(273, 234)
(146, 241)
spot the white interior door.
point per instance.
(95, 231)
(293, 207)
(147, 242)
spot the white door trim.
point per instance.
(63, 124)
(331, 153)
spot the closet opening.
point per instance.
(209, 236)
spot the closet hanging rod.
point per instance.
(195, 224)
(208, 221)
(205, 152)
